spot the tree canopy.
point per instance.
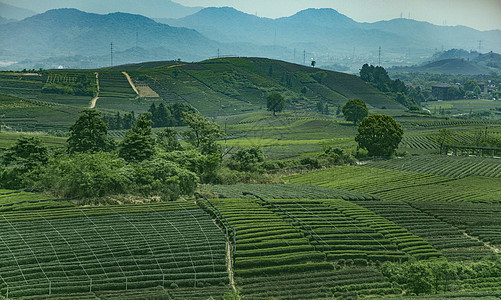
(89, 133)
(355, 110)
(379, 134)
(138, 144)
(275, 103)
(203, 133)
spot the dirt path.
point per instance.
(131, 83)
(494, 249)
(229, 265)
(94, 100)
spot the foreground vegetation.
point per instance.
(147, 198)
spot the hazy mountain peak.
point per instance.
(225, 12)
(322, 16)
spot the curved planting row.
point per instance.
(365, 179)
(477, 219)
(419, 142)
(284, 248)
(348, 231)
(285, 191)
(441, 235)
(115, 85)
(449, 123)
(443, 165)
(77, 250)
(469, 189)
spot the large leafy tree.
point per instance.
(89, 134)
(24, 160)
(28, 153)
(202, 133)
(379, 134)
(138, 144)
(275, 103)
(355, 110)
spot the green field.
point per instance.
(71, 250)
(320, 231)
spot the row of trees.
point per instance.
(94, 165)
(426, 277)
(378, 77)
(170, 115)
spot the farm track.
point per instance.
(94, 100)
(488, 245)
(131, 83)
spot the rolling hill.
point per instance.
(448, 66)
(217, 87)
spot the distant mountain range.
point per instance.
(325, 31)
(69, 32)
(323, 35)
(149, 8)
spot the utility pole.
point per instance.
(137, 38)
(217, 52)
(294, 55)
(379, 55)
(111, 53)
(304, 57)
(480, 46)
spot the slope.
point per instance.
(227, 86)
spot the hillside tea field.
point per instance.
(64, 250)
(324, 222)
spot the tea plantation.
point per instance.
(315, 219)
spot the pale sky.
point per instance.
(478, 14)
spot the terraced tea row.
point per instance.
(284, 247)
(344, 230)
(366, 179)
(285, 191)
(476, 219)
(446, 238)
(77, 250)
(468, 189)
(443, 165)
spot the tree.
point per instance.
(469, 85)
(24, 161)
(355, 110)
(477, 91)
(379, 134)
(275, 103)
(246, 159)
(167, 140)
(28, 153)
(203, 133)
(89, 133)
(138, 144)
(419, 278)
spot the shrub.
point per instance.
(87, 175)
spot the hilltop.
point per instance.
(453, 66)
(216, 87)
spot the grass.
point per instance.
(9, 139)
